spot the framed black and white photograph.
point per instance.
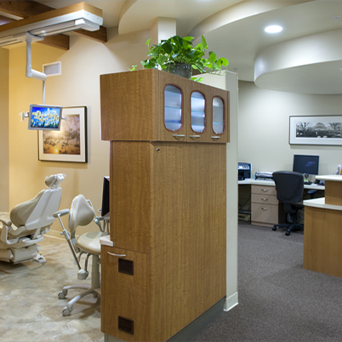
(70, 143)
(316, 130)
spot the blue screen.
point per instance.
(305, 164)
(45, 117)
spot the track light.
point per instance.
(74, 17)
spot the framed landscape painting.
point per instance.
(70, 143)
(316, 130)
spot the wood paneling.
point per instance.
(130, 195)
(188, 234)
(128, 105)
(323, 240)
(333, 192)
(126, 295)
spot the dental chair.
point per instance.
(28, 222)
(82, 213)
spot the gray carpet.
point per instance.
(278, 299)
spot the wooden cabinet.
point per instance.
(167, 212)
(265, 206)
(159, 106)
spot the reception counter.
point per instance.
(323, 229)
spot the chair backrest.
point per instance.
(289, 185)
(81, 213)
(37, 212)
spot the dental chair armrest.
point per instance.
(60, 213)
(5, 221)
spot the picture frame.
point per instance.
(315, 130)
(70, 143)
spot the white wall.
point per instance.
(230, 83)
(79, 85)
(263, 135)
(4, 135)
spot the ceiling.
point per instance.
(306, 57)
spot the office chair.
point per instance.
(289, 186)
(82, 213)
(28, 222)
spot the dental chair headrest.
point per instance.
(53, 181)
(81, 213)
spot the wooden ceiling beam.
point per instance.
(5, 20)
(23, 9)
(27, 9)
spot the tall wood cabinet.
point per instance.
(166, 265)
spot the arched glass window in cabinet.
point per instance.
(172, 108)
(218, 115)
(197, 112)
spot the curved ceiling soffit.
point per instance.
(305, 57)
(124, 10)
(188, 15)
(238, 12)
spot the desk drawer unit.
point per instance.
(265, 206)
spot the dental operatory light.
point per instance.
(35, 28)
(273, 29)
(74, 17)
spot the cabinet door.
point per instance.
(198, 129)
(264, 214)
(125, 294)
(218, 113)
(173, 104)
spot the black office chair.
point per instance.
(289, 186)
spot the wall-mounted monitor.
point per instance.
(305, 164)
(105, 197)
(45, 117)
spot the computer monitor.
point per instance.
(45, 117)
(105, 197)
(305, 164)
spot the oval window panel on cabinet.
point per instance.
(172, 108)
(197, 112)
(218, 115)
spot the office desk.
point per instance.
(259, 199)
(323, 229)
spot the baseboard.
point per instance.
(54, 234)
(191, 330)
(231, 302)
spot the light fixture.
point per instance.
(273, 29)
(74, 17)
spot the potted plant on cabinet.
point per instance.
(178, 55)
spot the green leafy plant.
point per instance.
(177, 50)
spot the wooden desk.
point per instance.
(323, 229)
(264, 206)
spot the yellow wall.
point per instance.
(4, 153)
(77, 86)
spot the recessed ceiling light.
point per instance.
(273, 29)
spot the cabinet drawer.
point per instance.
(125, 294)
(264, 189)
(264, 213)
(267, 199)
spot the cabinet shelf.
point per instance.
(151, 105)
(175, 186)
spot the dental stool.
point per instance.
(28, 222)
(82, 213)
